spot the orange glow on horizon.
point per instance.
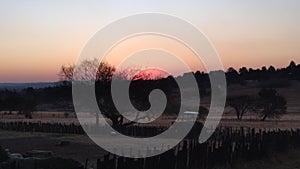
(137, 45)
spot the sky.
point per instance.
(38, 37)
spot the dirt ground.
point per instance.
(288, 159)
(80, 147)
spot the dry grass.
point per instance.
(45, 117)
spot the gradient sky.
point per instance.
(37, 37)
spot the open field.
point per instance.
(287, 121)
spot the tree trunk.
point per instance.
(265, 116)
(237, 113)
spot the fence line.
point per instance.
(220, 151)
(42, 127)
(225, 146)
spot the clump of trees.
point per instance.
(266, 77)
(268, 104)
(87, 70)
(271, 103)
(241, 104)
(141, 85)
(23, 102)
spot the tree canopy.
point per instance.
(271, 103)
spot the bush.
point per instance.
(66, 114)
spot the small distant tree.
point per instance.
(243, 71)
(271, 104)
(102, 74)
(66, 114)
(241, 105)
(28, 104)
(66, 73)
(87, 70)
(292, 66)
(271, 69)
(232, 75)
(11, 101)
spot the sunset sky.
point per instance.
(37, 37)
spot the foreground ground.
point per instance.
(80, 147)
(286, 160)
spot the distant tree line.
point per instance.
(23, 102)
(268, 103)
(26, 101)
(59, 98)
(266, 77)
